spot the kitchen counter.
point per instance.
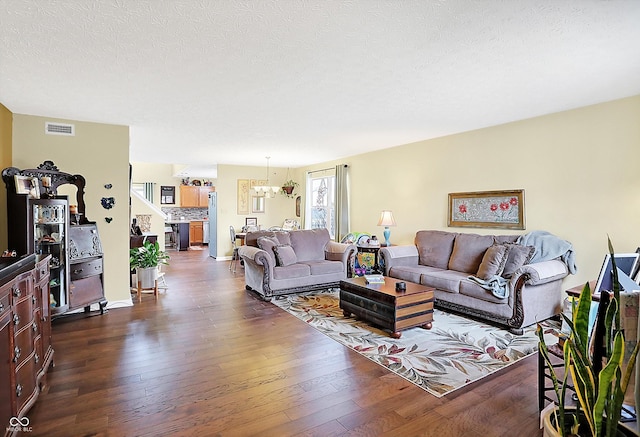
(181, 229)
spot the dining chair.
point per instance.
(234, 256)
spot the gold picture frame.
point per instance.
(487, 209)
(243, 196)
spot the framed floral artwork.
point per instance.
(487, 209)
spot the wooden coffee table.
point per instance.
(382, 305)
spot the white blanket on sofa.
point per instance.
(496, 285)
(547, 247)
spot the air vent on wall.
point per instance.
(59, 129)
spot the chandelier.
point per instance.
(264, 189)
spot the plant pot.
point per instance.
(549, 428)
(147, 276)
(288, 190)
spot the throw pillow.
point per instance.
(517, 256)
(267, 244)
(285, 255)
(492, 262)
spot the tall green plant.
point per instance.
(600, 395)
(147, 255)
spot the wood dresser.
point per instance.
(25, 337)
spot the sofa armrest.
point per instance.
(256, 256)
(393, 256)
(334, 251)
(542, 272)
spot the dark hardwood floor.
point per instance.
(209, 358)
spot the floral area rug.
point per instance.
(453, 353)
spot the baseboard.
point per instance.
(119, 304)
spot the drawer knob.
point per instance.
(17, 292)
(36, 358)
(16, 319)
(1, 306)
(16, 354)
(18, 390)
(34, 326)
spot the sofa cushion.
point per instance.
(473, 289)
(309, 243)
(325, 267)
(445, 280)
(517, 256)
(285, 255)
(267, 244)
(434, 248)
(468, 251)
(293, 271)
(251, 239)
(493, 261)
(501, 239)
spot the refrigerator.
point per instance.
(213, 224)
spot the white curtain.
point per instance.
(342, 201)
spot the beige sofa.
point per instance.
(277, 263)
(488, 277)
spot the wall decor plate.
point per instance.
(108, 202)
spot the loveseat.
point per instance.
(508, 280)
(277, 263)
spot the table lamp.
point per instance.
(386, 220)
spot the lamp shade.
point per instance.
(386, 219)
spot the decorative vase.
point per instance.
(147, 276)
(549, 428)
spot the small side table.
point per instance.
(375, 250)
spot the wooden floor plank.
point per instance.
(209, 358)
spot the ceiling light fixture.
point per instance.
(264, 189)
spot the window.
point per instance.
(320, 202)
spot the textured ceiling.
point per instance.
(228, 81)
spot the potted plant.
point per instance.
(288, 186)
(600, 393)
(145, 260)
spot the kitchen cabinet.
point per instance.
(192, 196)
(196, 232)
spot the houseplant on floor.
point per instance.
(600, 393)
(145, 260)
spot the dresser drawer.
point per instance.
(22, 345)
(86, 269)
(42, 270)
(23, 314)
(5, 300)
(85, 292)
(25, 387)
(19, 288)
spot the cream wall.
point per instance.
(99, 152)
(6, 131)
(579, 170)
(276, 209)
